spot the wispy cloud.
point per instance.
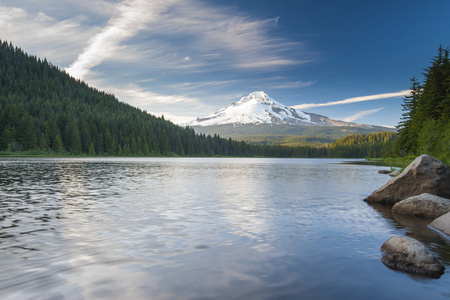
(138, 96)
(361, 114)
(226, 37)
(132, 16)
(157, 104)
(63, 38)
(189, 35)
(196, 85)
(354, 100)
(292, 85)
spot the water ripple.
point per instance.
(163, 228)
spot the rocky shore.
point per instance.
(421, 190)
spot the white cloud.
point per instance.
(292, 85)
(196, 85)
(227, 38)
(99, 7)
(166, 35)
(180, 108)
(361, 114)
(137, 96)
(63, 8)
(191, 36)
(266, 63)
(354, 100)
(132, 16)
(44, 36)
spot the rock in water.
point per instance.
(384, 172)
(424, 205)
(409, 255)
(424, 175)
(442, 224)
(395, 173)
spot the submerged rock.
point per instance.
(424, 205)
(409, 255)
(442, 224)
(384, 172)
(424, 175)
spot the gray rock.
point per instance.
(395, 173)
(409, 255)
(424, 205)
(442, 224)
(424, 175)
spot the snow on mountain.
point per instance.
(256, 108)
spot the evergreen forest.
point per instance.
(425, 124)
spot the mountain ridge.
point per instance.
(259, 108)
(258, 118)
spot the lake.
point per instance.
(202, 228)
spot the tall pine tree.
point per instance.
(425, 124)
(407, 137)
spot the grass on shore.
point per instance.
(399, 162)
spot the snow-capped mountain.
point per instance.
(256, 108)
(259, 108)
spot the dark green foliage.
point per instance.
(408, 136)
(424, 128)
(359, 145)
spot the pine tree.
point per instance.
(91, 149)
(75, 142)
(407, 135)
(57, 145)
(425, 123)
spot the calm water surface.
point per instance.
(209, 228)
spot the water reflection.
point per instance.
(166, 228)
(418, 229)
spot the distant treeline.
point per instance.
(373, 145)
(45, 111)
(425, 125)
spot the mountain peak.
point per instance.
(256, 108)
(259, 108)
(257, 95)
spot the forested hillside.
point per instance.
(372, 145)
(45, 111)
(425, 125)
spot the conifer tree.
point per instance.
(407, 136)
(57, 145)
(91, 149)
(425, 123)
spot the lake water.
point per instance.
(201, 228)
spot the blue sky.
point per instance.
(348, 60)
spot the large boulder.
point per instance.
(442, 224)
(409, 255)
(424, 175)
(424, 205)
